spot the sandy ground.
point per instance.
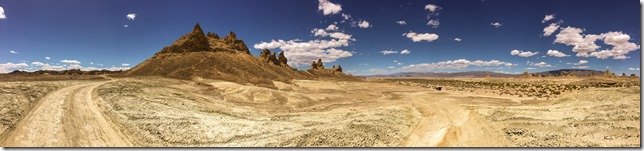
(65, 118)
(153, 111)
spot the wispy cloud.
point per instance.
(401, 22)
(2, 16)
(496, 24)
(130, 16)
(417, 37)
(548, 17)
(328, 7)
(523, 53)
(364, 24)
(556, 53)
(8, 67)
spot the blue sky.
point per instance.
(364, 36)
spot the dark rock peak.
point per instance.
(317, 65)
(197, 29)
(212, 35)
(196, 41)
(269, 57)
(282, 59)
(232, 35)
(337, 69)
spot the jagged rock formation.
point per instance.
(225, 58)
(337, 69)
(317, 65)
(270, 57)
(196, 41)
(282, 59)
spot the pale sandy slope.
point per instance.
(65, 118)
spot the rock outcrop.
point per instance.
(337, 69)
(317, 65)
(196, 41)
(282, 59)
(227, 58)
(270, 57)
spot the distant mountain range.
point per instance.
(481, 74)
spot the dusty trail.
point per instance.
(65, 118)
(446, 123)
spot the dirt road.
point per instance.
(65, 118)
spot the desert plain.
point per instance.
(152, 111)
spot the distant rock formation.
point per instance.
(337, 69)
(196, 41)
(271, 58)
(226, 58)
(282, 59)
(317, 65)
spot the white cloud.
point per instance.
(328, 8)
(434, 23)
(125, 26)
(570, 36)
(530, 68)
(548, 17)
(523, 53)
(585, 45)
(332, 27)
(416, 37)
(8, 67)
(496, 24)
(620, 44)
(405, 51)
(397, 62)
(540, 64)
(364, 24)
(341, 36)
(346, 16)
(391, 67)
(319, 32)
(73, 64)
(125, 64)
(581, 62)
(45, 66)
(13, 52)
(70, 61)
(2, 16)
(386, 52)
(130, 16)
(47, 58)
(302, 53)
(401, 22)
(113, 68)
(336, 35)
(634, 69)
(458, 39)
(580, 67)
(431, 7)
(454, 64)
(550, 29)
(556, 53)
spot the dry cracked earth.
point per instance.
(159, 112)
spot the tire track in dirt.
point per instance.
(446, 123)
(65, 118)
